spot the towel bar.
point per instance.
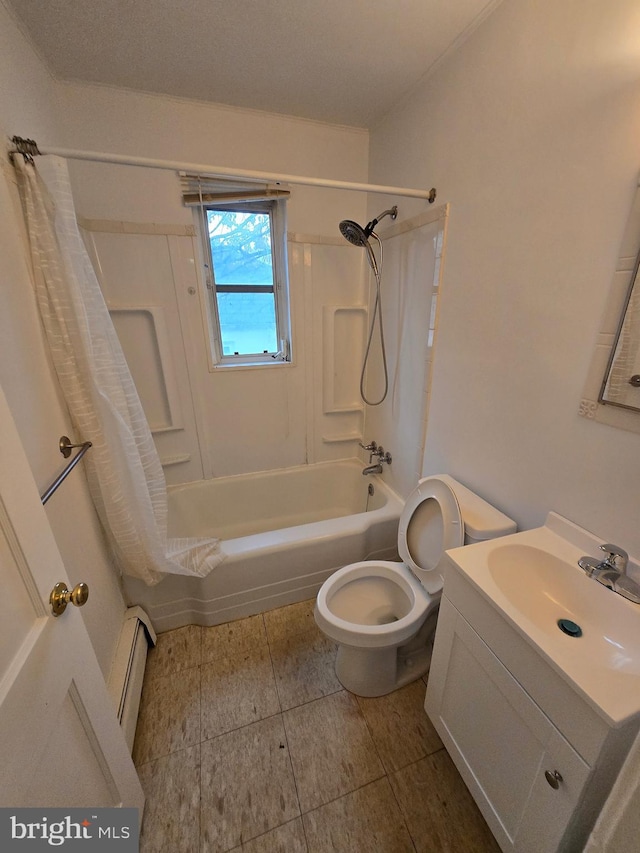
(66, 447)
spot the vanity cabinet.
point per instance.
(537, 759)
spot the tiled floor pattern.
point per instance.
(246, 741)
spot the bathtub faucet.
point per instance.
(379, 451)
(373, 469)
(371, 447)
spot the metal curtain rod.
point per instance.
(66, 448)
(224, 172)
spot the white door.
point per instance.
(60, 742)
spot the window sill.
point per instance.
(254, 365)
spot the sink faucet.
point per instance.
(593, 567)
(612, 571)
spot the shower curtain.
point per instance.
(123, 468)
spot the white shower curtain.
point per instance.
(124, 471)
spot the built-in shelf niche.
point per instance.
(343, 329)
(343, 338)
(144, 338)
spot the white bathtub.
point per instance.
(284, 532)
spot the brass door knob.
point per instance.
(61, 596)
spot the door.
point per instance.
(60, 742)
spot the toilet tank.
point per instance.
(481, 520)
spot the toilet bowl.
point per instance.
(383, 614)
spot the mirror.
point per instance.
(621, 383)
(615, 400)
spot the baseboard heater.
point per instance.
(127, 671)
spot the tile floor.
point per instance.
(246, 741)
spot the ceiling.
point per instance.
(340, 61)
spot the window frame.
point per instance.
(276, 209)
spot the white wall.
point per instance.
(531, 131)
(105, 119)
(26, 373)
(26, 91)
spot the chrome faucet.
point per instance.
(378, 450)
(612, 571)
(373, 469)
(593, 566)
(372, 446)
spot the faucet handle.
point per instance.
(373, 446)
(590, 565)
(614, 551)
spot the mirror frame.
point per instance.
(590, 406)
(614, 347)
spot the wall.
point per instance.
(27, 87)
(26, 373)
(235, 420)
(531, 132)
(101, 118)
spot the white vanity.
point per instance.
(537, 721)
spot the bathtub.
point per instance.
(283, 533)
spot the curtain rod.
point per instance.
(224, 172)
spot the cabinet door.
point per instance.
(501, 742)
(549, 809)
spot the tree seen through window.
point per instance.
(243, 273)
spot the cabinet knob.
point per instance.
(553, 778)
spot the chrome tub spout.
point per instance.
(372, 469)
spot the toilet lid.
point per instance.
(430, 524)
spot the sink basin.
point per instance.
(545, 589)
(533, 579)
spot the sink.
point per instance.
(533, 579)
(545, 589)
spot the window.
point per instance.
(245, 255)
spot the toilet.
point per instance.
(383, 614)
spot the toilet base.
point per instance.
(376, 672)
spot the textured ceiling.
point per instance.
(341, 61)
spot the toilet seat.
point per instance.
(426, 530)
(349, 629)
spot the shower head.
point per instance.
(359, 236)
(353, 232)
